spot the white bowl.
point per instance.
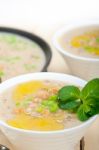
(37, 140)
(86, 68)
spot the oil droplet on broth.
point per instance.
(24, 121)
(26, 88)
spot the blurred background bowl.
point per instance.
(84, 67)
(35, 39)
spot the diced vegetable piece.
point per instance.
(54, 107)
(40, 108)
(45, 102)
(53, 97)
(51, 105)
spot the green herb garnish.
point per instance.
(9, 59)
(85, 102)
(10, 38)
(69, 105)
(29, 67)
(69, 93)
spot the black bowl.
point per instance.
(44, 46)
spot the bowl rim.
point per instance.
(69, 27)
(29, 78)
(34, 38)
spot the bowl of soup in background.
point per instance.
(63, 138)
(78, 43)
(22, 52)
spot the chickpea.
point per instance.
(43, 94)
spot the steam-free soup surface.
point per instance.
(82, 43)
(32, 105)
(19, 55)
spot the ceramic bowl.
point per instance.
(84, 67)
(34, 38)
(44, 140)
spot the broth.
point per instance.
(19, 55)
(82, 43)
(32, 106)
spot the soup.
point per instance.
(82, 43)
(32, 105)
(19, 55)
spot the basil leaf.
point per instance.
(87, 108)
(93, 111)
(94, 105)
(69, 93)
(84, 103)
(82, 115)
(69, 105)
(93, 102)
(91, 90)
